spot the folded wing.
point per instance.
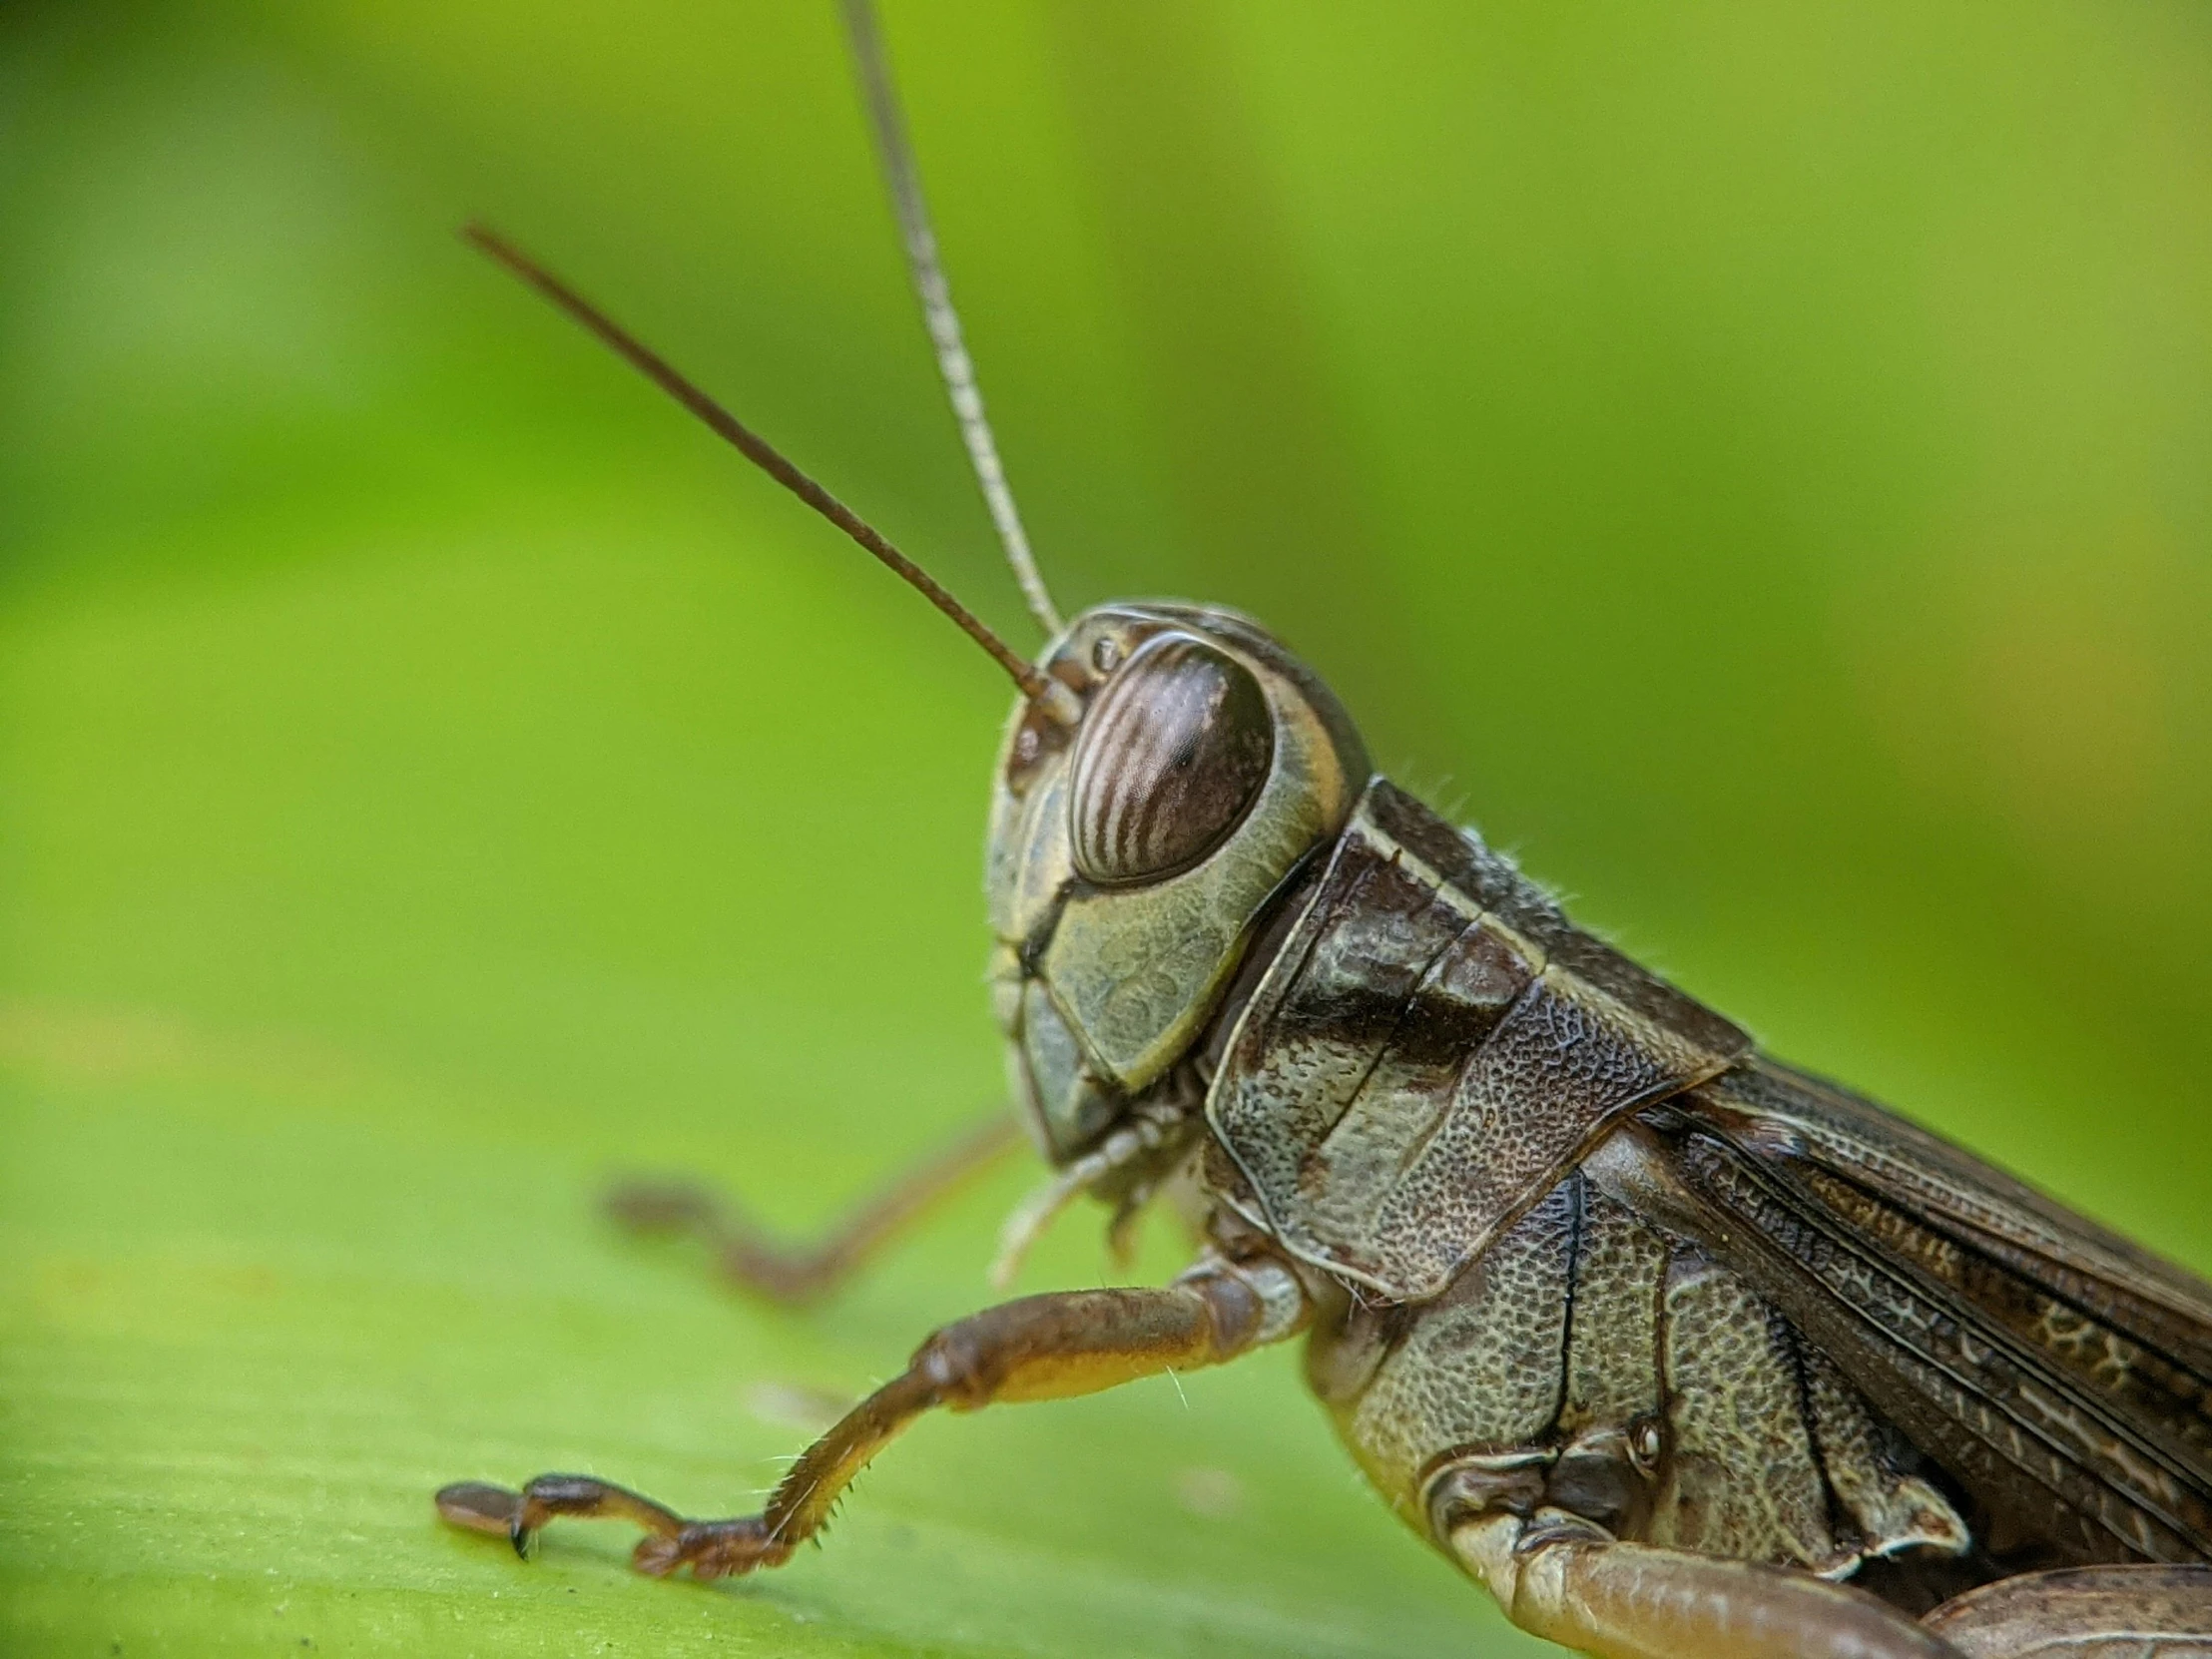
(2059, 1374)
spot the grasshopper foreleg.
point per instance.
(1049, 1347)
(796, 1276)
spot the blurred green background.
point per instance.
(1755, 461)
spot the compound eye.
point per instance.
(1170, 756)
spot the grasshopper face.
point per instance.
(1132, 852)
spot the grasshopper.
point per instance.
(1680, 1353)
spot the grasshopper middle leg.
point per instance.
(1564, 1580)
(1038, 1347)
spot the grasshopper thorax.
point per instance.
(1134, 849)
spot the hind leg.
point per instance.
(2142, 1612)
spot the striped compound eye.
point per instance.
(1170, 756)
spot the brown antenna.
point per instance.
(1039, 687)
(954, 366)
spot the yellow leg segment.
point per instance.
(1039, 1347)
(1565, 1580)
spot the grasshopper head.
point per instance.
(1167, 768)
(1133, 849)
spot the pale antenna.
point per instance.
(954, 365)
